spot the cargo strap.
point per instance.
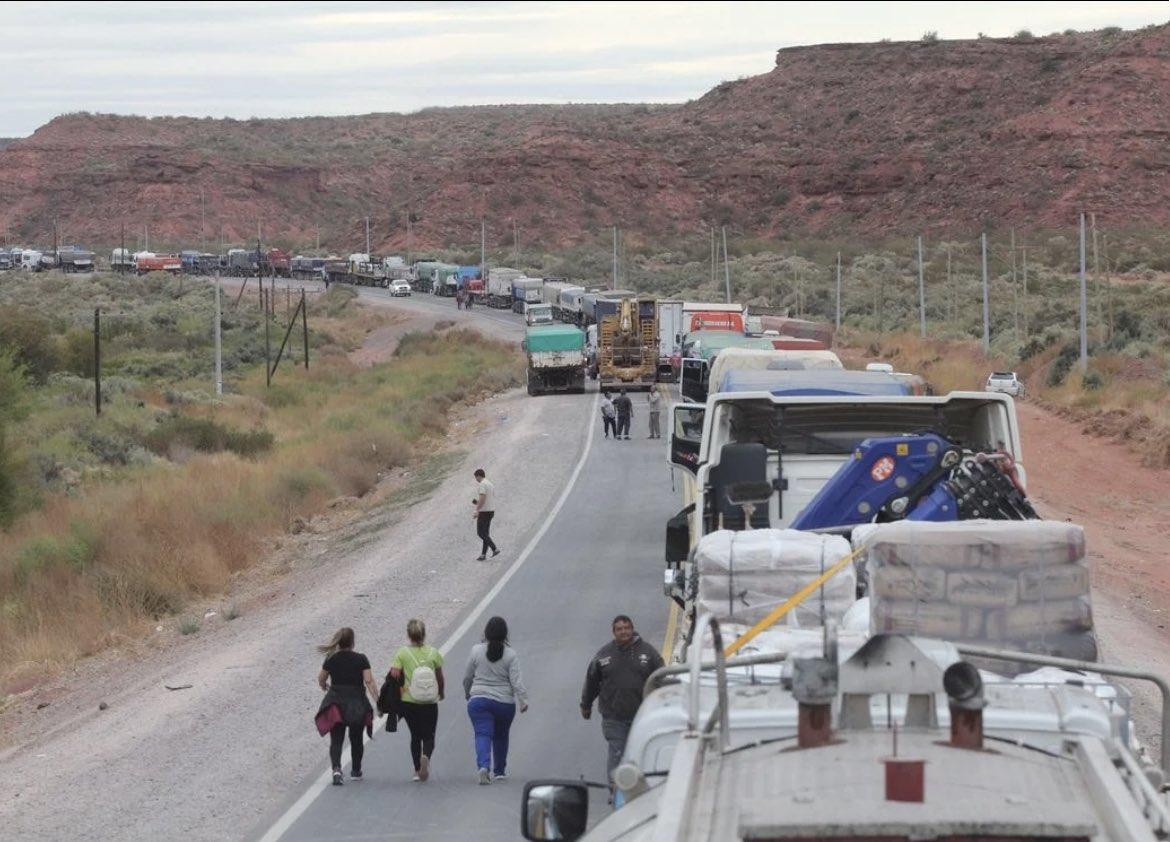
(793, 601)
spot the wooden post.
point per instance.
(267, 338)
(305, 326)
(97, 360)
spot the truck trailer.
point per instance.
(556, 359)
(627, 345)
(526, 292)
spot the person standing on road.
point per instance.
(345, 677)
(485, 509)
(625, 413)
(458, 299)
(493, 688)
(608, 415)
(615, 678)
(655, 401)
(420, 669)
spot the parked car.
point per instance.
(1006, 382)
(399, 287)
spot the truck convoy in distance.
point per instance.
(556, 358)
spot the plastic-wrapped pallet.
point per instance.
(1020, 585)
(744, 575)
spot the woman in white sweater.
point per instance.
(493, 688)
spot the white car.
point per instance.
(399, 288)
(1006, 382)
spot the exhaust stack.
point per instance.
(814, 684)
(964, 689)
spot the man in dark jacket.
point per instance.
(615, 678)
(625, 411)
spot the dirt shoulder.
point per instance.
(1125, 511)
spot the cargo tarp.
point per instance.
(548, 338)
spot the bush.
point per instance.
(930, 37)
(1063, 364)
(1092, 381)
(1023, 35)
(30, 338)
(207, 436)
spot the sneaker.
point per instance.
(337, 780)
(485, 777)
(495, 552)
(416, 779)
(355, 775)
(424, 768)
(500, 776)
(481, 558)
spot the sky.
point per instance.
(295, 59)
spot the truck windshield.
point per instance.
(821, 429)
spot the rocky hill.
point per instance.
(865, 139)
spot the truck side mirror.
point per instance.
(678, 536)
(523, 344)
(552, 811)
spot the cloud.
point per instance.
(303, 58)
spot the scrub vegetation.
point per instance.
(112, 523)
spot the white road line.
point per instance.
(298, 808)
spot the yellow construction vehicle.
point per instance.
(627, 345)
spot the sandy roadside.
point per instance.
(1126, 514)
(208, 761)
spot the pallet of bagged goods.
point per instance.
(1020, 585)
(743, 576)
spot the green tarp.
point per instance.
(546, 338)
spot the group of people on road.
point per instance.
(463, 300)
(492, 687)
(617, 413)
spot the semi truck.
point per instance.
(74, 259)
(707, 316)
(525, 293)
(148, 261)
(498, 289)
(556, 358)
(670, 331)
(627, 345)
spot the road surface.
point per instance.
(600, 556)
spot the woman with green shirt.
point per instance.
(420, 670)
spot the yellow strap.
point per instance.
(793, 601)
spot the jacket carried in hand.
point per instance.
(616, 675)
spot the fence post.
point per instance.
(305, 325)
(97, 360)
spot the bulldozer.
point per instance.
(627, 345)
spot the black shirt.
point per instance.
(345, 667)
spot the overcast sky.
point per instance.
(294, 59)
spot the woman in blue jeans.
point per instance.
(493, 688)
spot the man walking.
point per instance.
(615, 678)
(625, 412)
(655, 401)
(485, 509)
(608, 416)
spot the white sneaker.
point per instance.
(416, 779)
(485, 777)
(424, 768)
(500, 777)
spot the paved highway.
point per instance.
(599, 556)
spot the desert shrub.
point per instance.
(75, 350)
(1063, 364)
(206, 435)
(930, 37)
(1092, 380)
(1023, 35)
(30, 337)
(334, 302)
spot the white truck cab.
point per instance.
(538, 314)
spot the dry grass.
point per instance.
(1124, 398)
(82, 571)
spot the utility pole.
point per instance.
(1024, 266)
(1084, 303)
(951, 289)
(986, 301)
(516, 242)
(122, 260)
(1015, 289)
(409, 236)
(367, 235)
(613, 283)
(483, 251)
(318, 238)
(838, 290)
(202, 221)
(726, 267)
(921, 292)
(218, 349)
(97, 360)
(713, 253)
(146, 238)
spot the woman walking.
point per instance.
(344, 677)
(493, 688)
(420, 669)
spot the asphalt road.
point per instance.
(600, 556)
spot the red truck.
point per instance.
(279, 263)
(147, 262)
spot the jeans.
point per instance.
(356, 748)
(483, 528)
(421, 720)
(616, 732)
(609, 424)
(491, 720)
(623, 425)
